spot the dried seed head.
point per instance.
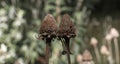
(93, 41)
(114, 32)
(87, 56)
(66, 27)
(48, 27)
(104, 50)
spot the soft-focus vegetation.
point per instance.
(96, 22)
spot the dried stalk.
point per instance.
(65, 32)
(48, 47)
(47, 32)
(67, 42)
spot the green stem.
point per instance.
(116, 50)
(110, 47)
(97, 54)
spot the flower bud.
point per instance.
(108, 37)
(104, 50)
(114, 32)
(93, 41)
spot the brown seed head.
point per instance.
(87, 56)
(48, 27)
(66, 27)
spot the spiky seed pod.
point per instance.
(66, 31)
(47, 32)
(66, 27)
(48, 27)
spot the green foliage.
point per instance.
(19, 24)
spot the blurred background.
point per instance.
(97, 23)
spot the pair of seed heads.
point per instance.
(65, 31)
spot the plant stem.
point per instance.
(67, 42)
(110, 47)
(97, 54)
(58, 10)
(104, 59)
(116, 50)
(48, 45)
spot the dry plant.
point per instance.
(47, 32)
(65, 32)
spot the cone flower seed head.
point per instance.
(114, 32)
(66, 27)
(48, 27)
(87, 56)
(104, 50)
(94, 41)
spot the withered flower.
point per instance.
(65, 32)
(47, 32)
(48, 27)
(66, 28)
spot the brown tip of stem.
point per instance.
(66, 27)
(48, 26)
